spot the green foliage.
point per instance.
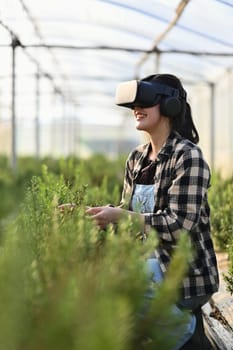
(221, 200)
(64, 283)
(76, 172)
(229, 275)
(67, 285)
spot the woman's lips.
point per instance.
(140, 115)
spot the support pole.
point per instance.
(157, 62)
(37, 117)
(212, 126)
(14, 43)
(65, 128)
(230, 108)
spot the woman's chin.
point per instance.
(139, 126)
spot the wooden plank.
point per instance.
(216, 331)
(218, 312)
(222, 301)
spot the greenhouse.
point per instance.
(60, 66)
(63, 139)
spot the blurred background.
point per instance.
(62, 60)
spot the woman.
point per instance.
(166, 182)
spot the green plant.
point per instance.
(229, 275)
(67, 285)
(76, 172)
(220, 197)
(222, 220)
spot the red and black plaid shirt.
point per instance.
(181, 177)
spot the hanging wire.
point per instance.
(119, 48)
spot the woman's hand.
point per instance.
(104, 215)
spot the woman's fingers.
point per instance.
(98, 214)
(93, 210)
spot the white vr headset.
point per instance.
(146, 94)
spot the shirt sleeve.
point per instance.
(185, 197)
(128, 183)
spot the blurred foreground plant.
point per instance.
(67, 285)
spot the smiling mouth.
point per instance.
(140, 115)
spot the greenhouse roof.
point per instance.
(86, 47)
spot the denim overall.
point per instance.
(143, 202)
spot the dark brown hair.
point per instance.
(183, 122)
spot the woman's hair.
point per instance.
(183, 122)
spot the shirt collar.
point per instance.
(164, 153)
(166, 149)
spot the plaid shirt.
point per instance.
(181, 181)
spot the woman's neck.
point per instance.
(157, 141)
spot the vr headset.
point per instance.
(138, 93)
